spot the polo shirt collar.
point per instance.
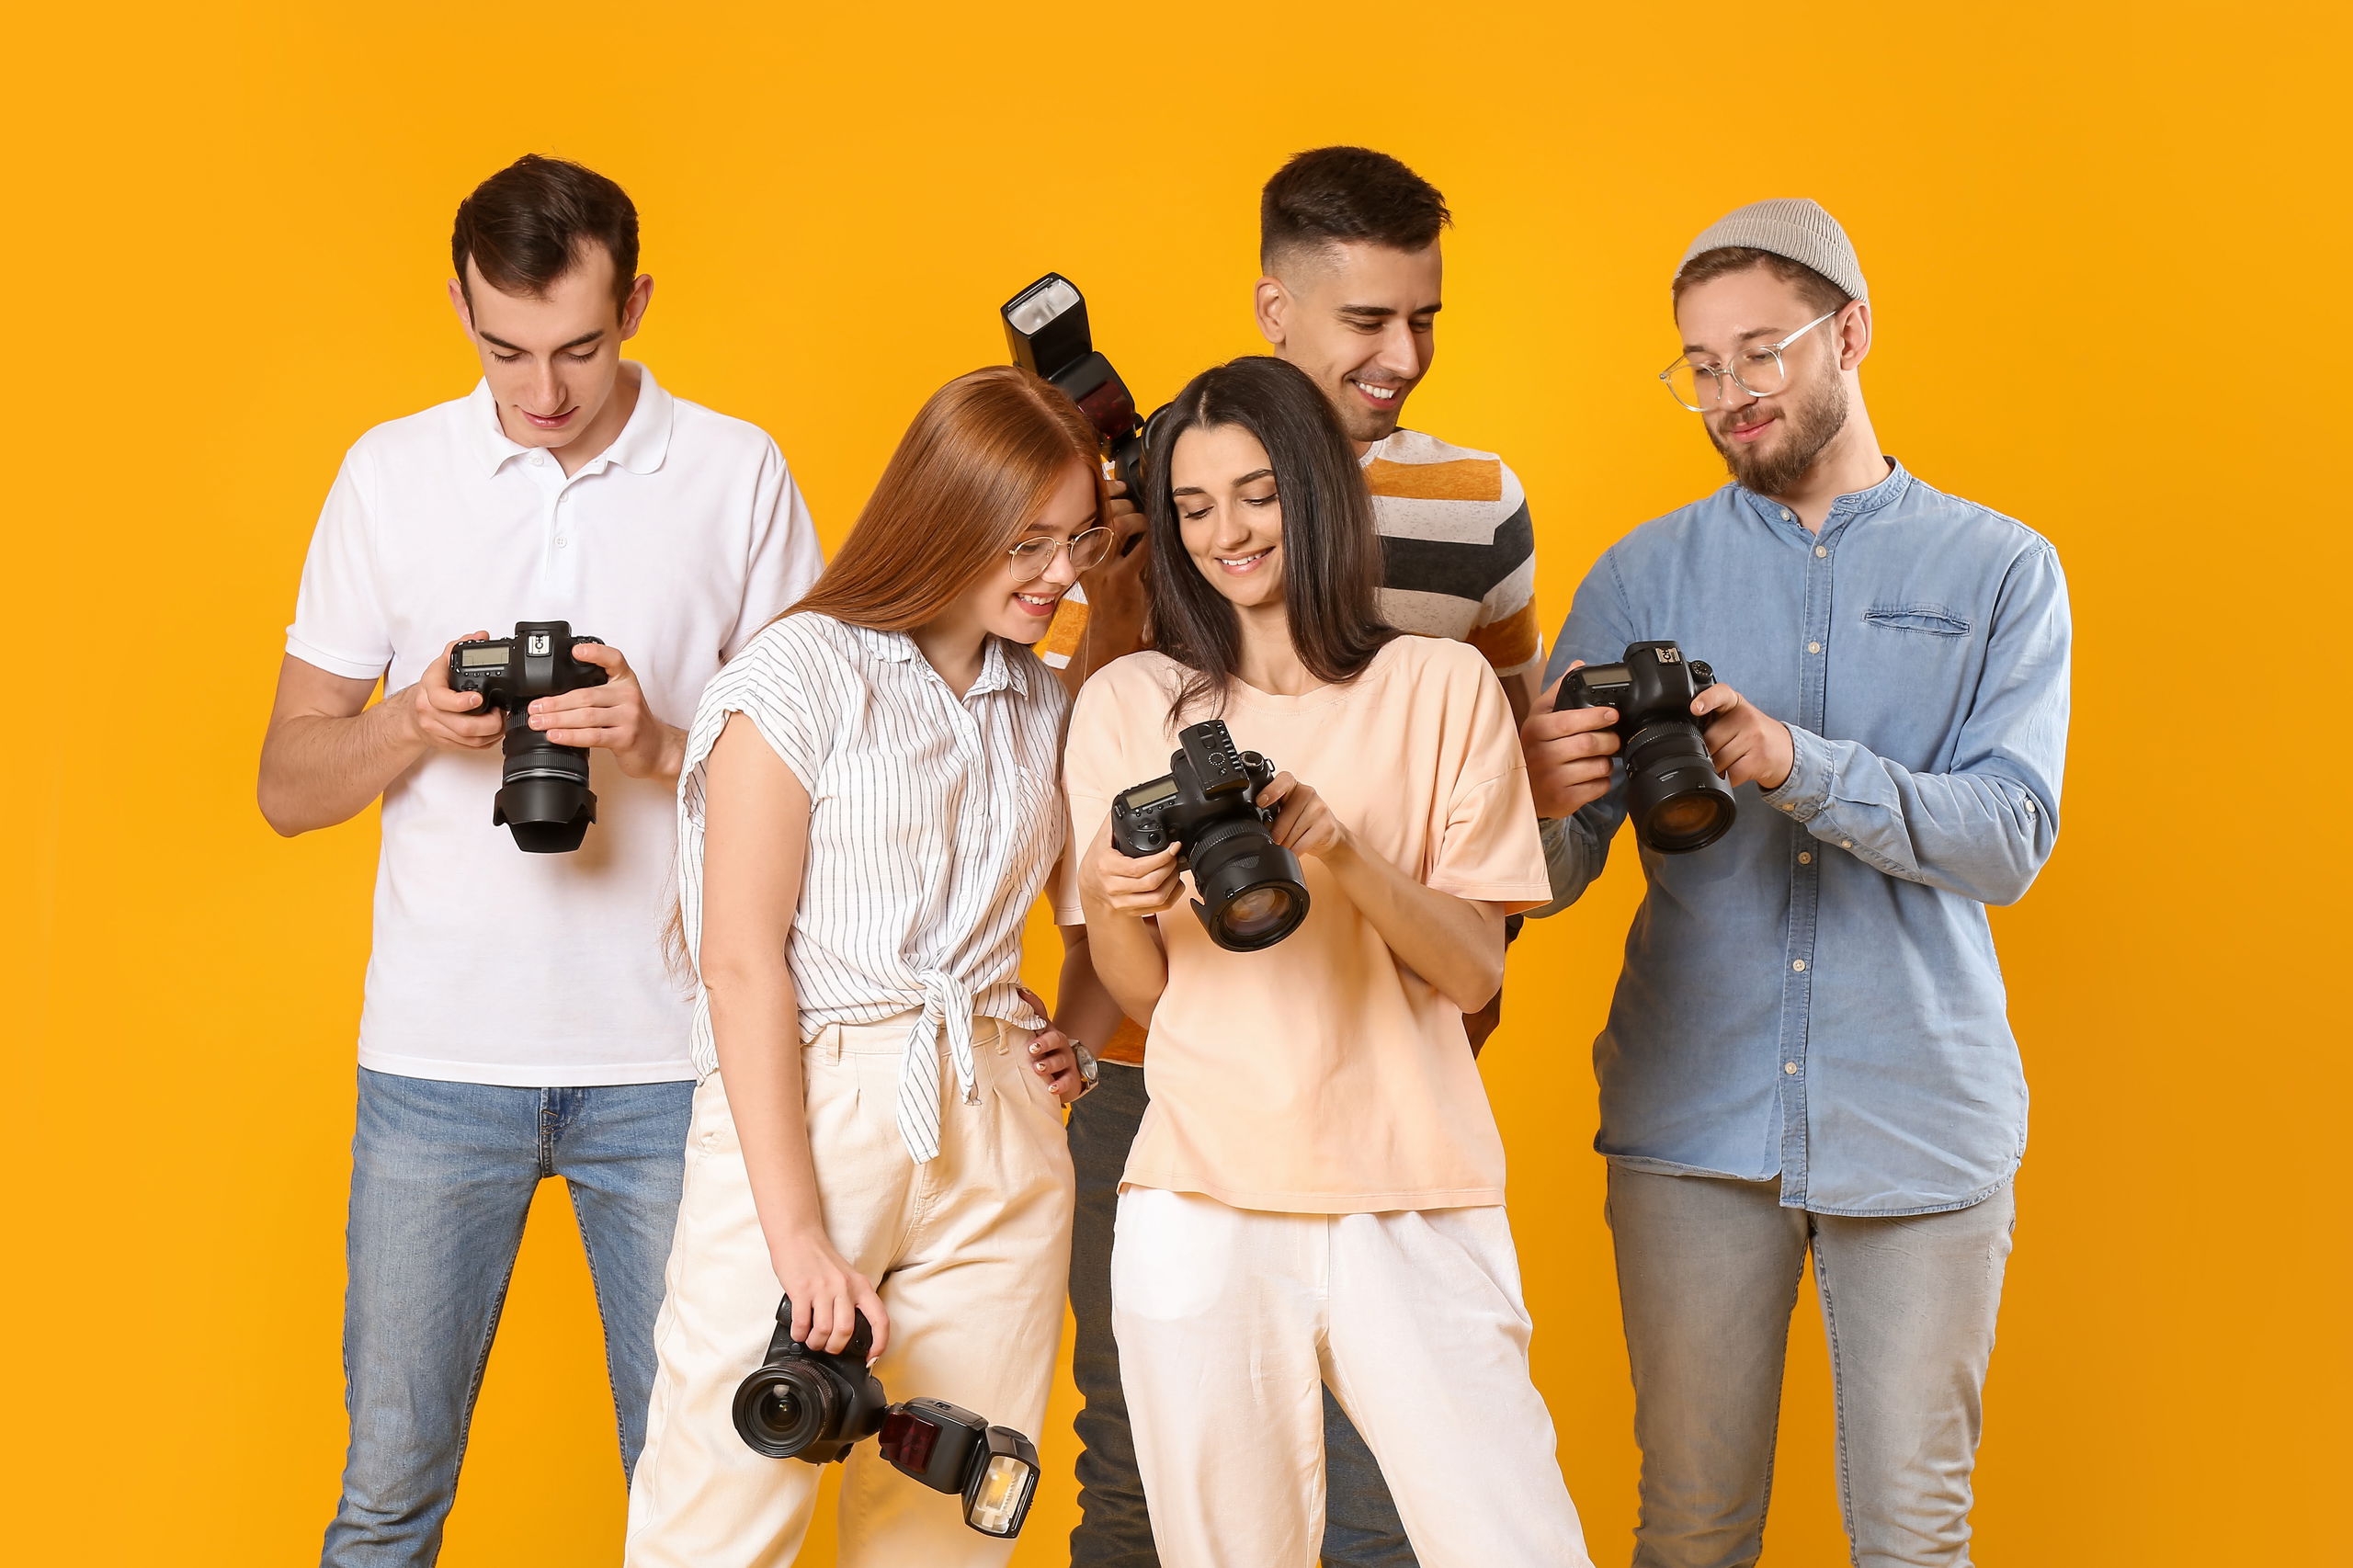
(643, 442)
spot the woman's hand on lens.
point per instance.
(1144, 887)
(1306, 824)
(827, 1295)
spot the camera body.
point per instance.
(543, 794)
(1674, 796)
(810, 1404)
(816, 1405)
(1046, 327)
(1253, 893)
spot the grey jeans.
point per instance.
(1708, 1274)
(1360, 1529)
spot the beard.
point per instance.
(1808, 422)
(1360, 422)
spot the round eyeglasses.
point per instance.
(1032, 556)
(1756, 371)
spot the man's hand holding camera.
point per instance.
(1568, 751)
(613, 717)
(444, 716)
(1746, 744)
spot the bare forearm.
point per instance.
(1085, 1008)
(1453, 943)
(756, 1025)
(1127, 958)
(317, 769)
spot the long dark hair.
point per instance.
(1331, 552)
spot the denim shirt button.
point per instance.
(1820, 550)
(1798, 965)
(1789, 1067)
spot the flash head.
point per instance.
(950, 1449)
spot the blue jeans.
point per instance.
(1360, 1529)
(1708, 1273)
(442, 1178)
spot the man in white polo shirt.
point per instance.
(520, 1022)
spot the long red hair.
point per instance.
(982, 458)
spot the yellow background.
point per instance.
(2107, 250)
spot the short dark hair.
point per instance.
(1332, 554)
(1820, 295)
(1348, 194)
(524, 227)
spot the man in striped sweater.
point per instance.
(1349, 248)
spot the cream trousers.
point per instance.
(1229, 1322)
(970, 1253)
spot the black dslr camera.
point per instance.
(1253, 892)
(1045, 325)
(543, 792)
(814, 1405)
(1673, 794)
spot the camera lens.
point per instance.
(781, 1409)
(1672, 793)
(1257, 912)
(1253, 893)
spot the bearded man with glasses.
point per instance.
(1809, 1051)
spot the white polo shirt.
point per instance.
(676, 544)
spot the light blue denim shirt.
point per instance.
(1815, 995)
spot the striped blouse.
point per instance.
(935, 821)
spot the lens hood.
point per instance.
(1253, 892)
(1674, 795)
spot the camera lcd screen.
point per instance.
(475, 658)
(1149, 795)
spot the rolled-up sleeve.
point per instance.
(1985, 828)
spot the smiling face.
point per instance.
(1360, 319)
(1020, 611)
(1768, 443)
(554, 363)
(1229, 513)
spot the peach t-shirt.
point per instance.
(1320, 1075)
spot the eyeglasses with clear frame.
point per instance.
(1756, 371)
(1087, 551)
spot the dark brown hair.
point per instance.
(979, 463)
(1331, 552)
(1820, 295)
(525, 226)
(1348, 194)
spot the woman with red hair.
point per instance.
(869, 808)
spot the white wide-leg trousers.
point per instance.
(1229, 1321)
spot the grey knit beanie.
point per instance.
(1790, 226)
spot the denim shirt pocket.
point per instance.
(1933, 618)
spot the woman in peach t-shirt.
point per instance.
(1316, 1193)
